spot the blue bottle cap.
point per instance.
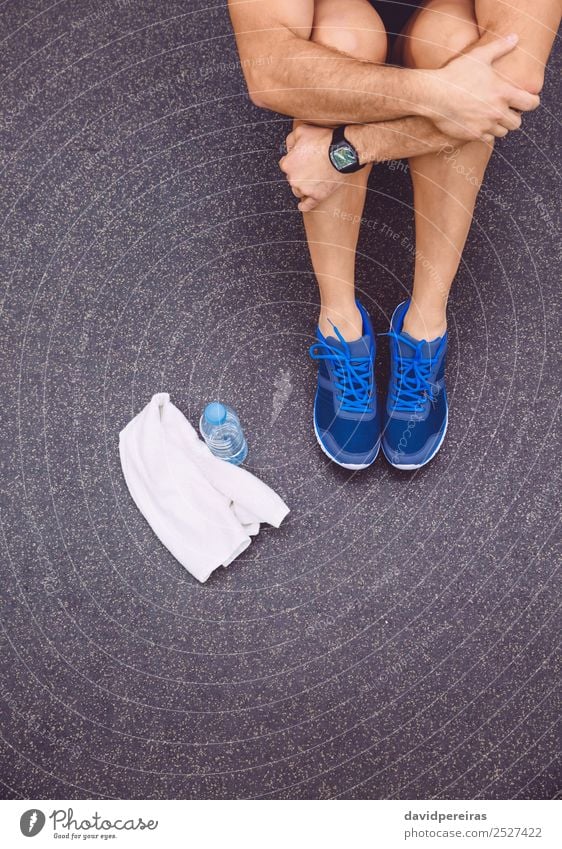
(215, 413)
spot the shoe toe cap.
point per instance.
(345, 454)
(410, 446)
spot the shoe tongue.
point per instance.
(429, 349)
(357, 348)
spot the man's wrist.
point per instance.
(355, 134)
(342, 152)
(426, 94)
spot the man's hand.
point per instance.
(310, 173)
(473, 101)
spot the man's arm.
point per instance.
(311, 175)
(313, 178)
(399, 139)
(288, 73)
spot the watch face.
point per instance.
(343, 155)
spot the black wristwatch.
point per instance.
(343, 155)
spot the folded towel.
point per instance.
(202, 509)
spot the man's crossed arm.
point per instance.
(288, 73)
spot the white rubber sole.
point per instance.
(410, 467)
(352, 466)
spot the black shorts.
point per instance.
(395, 15)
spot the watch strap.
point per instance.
(338, 137)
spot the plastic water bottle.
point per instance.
(222, 431)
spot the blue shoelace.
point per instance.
(411, 386)
(353, 376)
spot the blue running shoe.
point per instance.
(346, 413)
(416, 406)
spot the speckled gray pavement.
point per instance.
(396, 638)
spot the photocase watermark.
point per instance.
(207, 69)
(310, 149)
(11, 114)
(402, 664)
(105, 12)
(395, 165)
(31, 822)
(405, 437)
(451, 155)
(64, 820)
(402, 240)
(38, 725)
(50, 582)
(170, 88)
(66, 825)
(283, 391)
(545, 215)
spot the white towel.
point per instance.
(202, 508)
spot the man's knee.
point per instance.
(353, 28)
(520, 67)
(437, 35)
(524, 74)
(536, 22)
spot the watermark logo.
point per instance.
(282, 394)
(31, 822)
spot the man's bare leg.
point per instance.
(332, 229)
(446, 184)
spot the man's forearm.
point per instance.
(306, 80)
(397, 139)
